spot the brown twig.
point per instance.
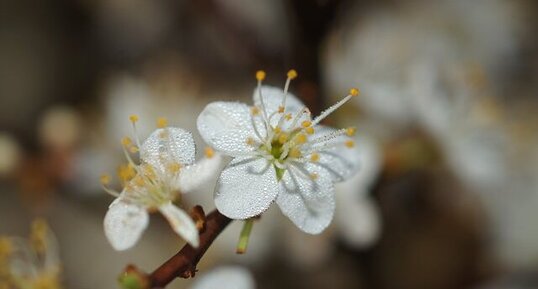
(183, 263)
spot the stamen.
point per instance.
(314, 176)
(126, 142)
(283, 138)
(329, 136)
(254, 111)
(309, 130)
(162, 122)
(209, 152)
(250, 141)
(260, 76)
(314, 157)
(105, 180)
(300, 138)
(126, 173)
(298, 116)
(292, 74)
(350, 131)
(133, 118)
(349, 143)
(288, 116)
(295, 153)
(352, 93)
(133, 149)
(174, 167)
(306, 123)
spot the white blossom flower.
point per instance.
(280, 154)
(226, 277)
(166, 170)
(30, 263)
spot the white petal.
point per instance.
(308, 203)
(357, 217)
(229, 277)
(199, 174)
(226, 126)
(181, 223)
(342, 162)
(272, 97)
(124, 224)
(246, 188)
(167, 145)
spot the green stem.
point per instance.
(244, 237)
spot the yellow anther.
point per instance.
(250, 141)
(149, 171)
(354, 92)
(105, 179)
(126, 142)
(209, 152)
(306, 123)
(288, 116)
(300, 138)
(133, 149)
(281, 109)
(295, 153)
(277, 130)
(260, 75)
(314, 176)
(283, 138)
(139, 181)
(133, 118)
(350, 131)
(309, 130)
(162, 122)
(349, 143)
(292, 74)
(314, 157)
(174, 167)
(254, 111)
(126, 173)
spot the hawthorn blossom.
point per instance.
(166, 170)
(280, 155)
(30, 263)
(226, 277)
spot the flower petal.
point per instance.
(246, 188)
(228, 277)
(199, 174)
(168, 145)
(358, 220)
(272, 97)
(124, 224)
(181, 223)
(226, 126)
(341, 161)
(308, 203)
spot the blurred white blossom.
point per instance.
(167, 169)
(226, 277)
(30, 263)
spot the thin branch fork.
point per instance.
(182, 264)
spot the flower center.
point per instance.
(288, 141)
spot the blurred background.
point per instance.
(447, 122)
